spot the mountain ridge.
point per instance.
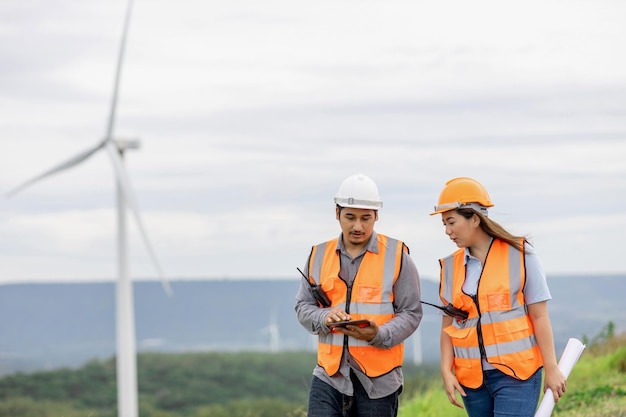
(47, 326)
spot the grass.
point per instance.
(596, 387)
(431, 403)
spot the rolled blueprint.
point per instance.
(572, 352)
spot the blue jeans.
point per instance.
(326, 401)
(503, 396)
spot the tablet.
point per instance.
(358, 323)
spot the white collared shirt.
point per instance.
(536, 289)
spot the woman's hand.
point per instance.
(451, 385)
(556, 381)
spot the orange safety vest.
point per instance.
(371, 298)
(498, 328)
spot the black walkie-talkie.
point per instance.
(318, 292)
(451, 311)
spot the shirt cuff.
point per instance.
(380, 338)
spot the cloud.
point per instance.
(250, 115)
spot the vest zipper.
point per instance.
(348, 298)
(479, 329)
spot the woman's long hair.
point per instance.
(493, 229)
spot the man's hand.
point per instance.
(361, 333)
(334, 315)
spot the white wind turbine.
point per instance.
(125, 313)
(274, 334)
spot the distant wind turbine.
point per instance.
(274, 334)
(125, 317)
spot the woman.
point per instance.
(494, 357)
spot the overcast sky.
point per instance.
(251, 113)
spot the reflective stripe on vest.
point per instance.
(371, 298)
(499, 325)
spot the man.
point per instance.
(365, 276)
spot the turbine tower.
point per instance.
(126, 363)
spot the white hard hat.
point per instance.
(358, 191)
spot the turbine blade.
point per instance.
(124, 183)
(118, 72)
(61, 167)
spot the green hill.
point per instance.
(254, 384)
(213, 384)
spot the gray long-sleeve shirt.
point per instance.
(408, 314)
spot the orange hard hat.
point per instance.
(463, 192)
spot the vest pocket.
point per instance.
(499, 302)
(370, 294)
(509, 341)
(459, 335)
(509, 327)
(334, 292)
(465, 344)
(464, 363)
